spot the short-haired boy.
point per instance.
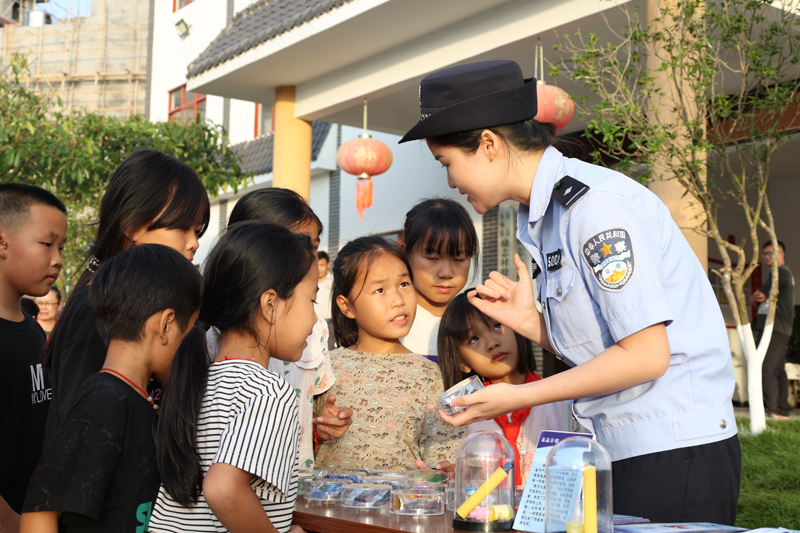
(33, 230)
(100, 473)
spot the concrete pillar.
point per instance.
(291, 151)
(684, 211)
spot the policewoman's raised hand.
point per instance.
(512, 304)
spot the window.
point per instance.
(177, 4)
(264, 123)
(187, 105)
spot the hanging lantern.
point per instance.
(554, 104)
(364, 157)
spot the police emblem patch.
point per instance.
(610, 256)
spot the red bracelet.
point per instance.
(316, 440)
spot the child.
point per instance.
(228, 435)
(49, 306)
(33, 230)
(100, 473)
(392, 391)
(150, 198)
(312, 374)
(471, 343)
(440, 241)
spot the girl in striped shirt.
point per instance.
(227, 440)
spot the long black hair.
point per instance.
(459, 321)
(356, 255)
(250, 259)
(441, 225)
(150, 190)
(273, 204)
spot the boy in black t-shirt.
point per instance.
(100, 472)
(33, 229)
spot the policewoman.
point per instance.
(624, 300)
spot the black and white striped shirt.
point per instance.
(248, 419)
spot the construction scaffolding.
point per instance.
(97, 61)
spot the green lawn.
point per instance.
(770, 491)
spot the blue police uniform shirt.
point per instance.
(612, 263)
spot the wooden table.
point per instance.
(333, 518)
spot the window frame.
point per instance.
(172, 112)
(257, 121)
(175, 7)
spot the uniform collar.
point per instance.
(541, 189)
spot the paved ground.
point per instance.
(745, 411)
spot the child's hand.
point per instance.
(509, 302)
(296, 529)
(332, 422)
(447, 466)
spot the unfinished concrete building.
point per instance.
(95, 60)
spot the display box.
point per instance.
(366, 495)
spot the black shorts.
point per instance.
(695, 484)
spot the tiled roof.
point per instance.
(257, 154)
(261, 21)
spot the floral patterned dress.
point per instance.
(395, 412)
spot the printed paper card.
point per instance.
(684, 527)
(530, 515)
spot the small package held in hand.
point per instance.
(462, 388)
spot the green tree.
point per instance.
(72, 153)
(691, 84)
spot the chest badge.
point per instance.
(610, 255)
(554, 260)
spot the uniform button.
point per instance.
(558, 291)
(557, 185)
(723, 423)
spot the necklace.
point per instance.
(120, 374)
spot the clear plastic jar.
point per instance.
(578, 488)
(484, 492)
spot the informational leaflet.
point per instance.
(530, 515)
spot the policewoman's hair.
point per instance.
(273, 204)
(149, 190)
(526, 136)
(351, 265)
(459, 322)
(135, 284)
(441, 226)
(249, 259)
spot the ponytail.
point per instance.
(176, 436)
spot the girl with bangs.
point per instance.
(440, 240)
(472, 344)
(151, 198)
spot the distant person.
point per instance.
(773, 371)
(33, 230)
(323, 305)
(49, 307)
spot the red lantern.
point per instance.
(554, 105)
(364, 157)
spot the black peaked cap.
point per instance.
(473, 96)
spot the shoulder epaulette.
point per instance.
(568, 190)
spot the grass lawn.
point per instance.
(770, 490)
